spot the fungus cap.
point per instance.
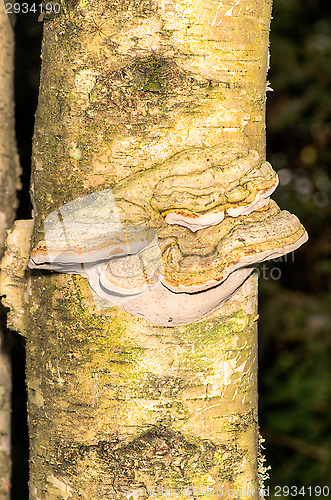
(197, 187)
(168, 275)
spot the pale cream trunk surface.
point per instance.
(117, 404)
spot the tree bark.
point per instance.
(9, 182)
(116, 404)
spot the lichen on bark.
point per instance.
(115, 402)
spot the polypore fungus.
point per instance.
(197, 187)
(158, 244)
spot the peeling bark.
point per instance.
(115, 403)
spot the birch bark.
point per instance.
(116, 405)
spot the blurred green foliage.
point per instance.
(295, 310)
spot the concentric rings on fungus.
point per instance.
(126, 243)
(197, 187)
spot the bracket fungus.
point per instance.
(171, 244)
(198, 186)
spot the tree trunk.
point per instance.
(117, 404)
(9, 182)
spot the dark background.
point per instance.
(294, 299)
